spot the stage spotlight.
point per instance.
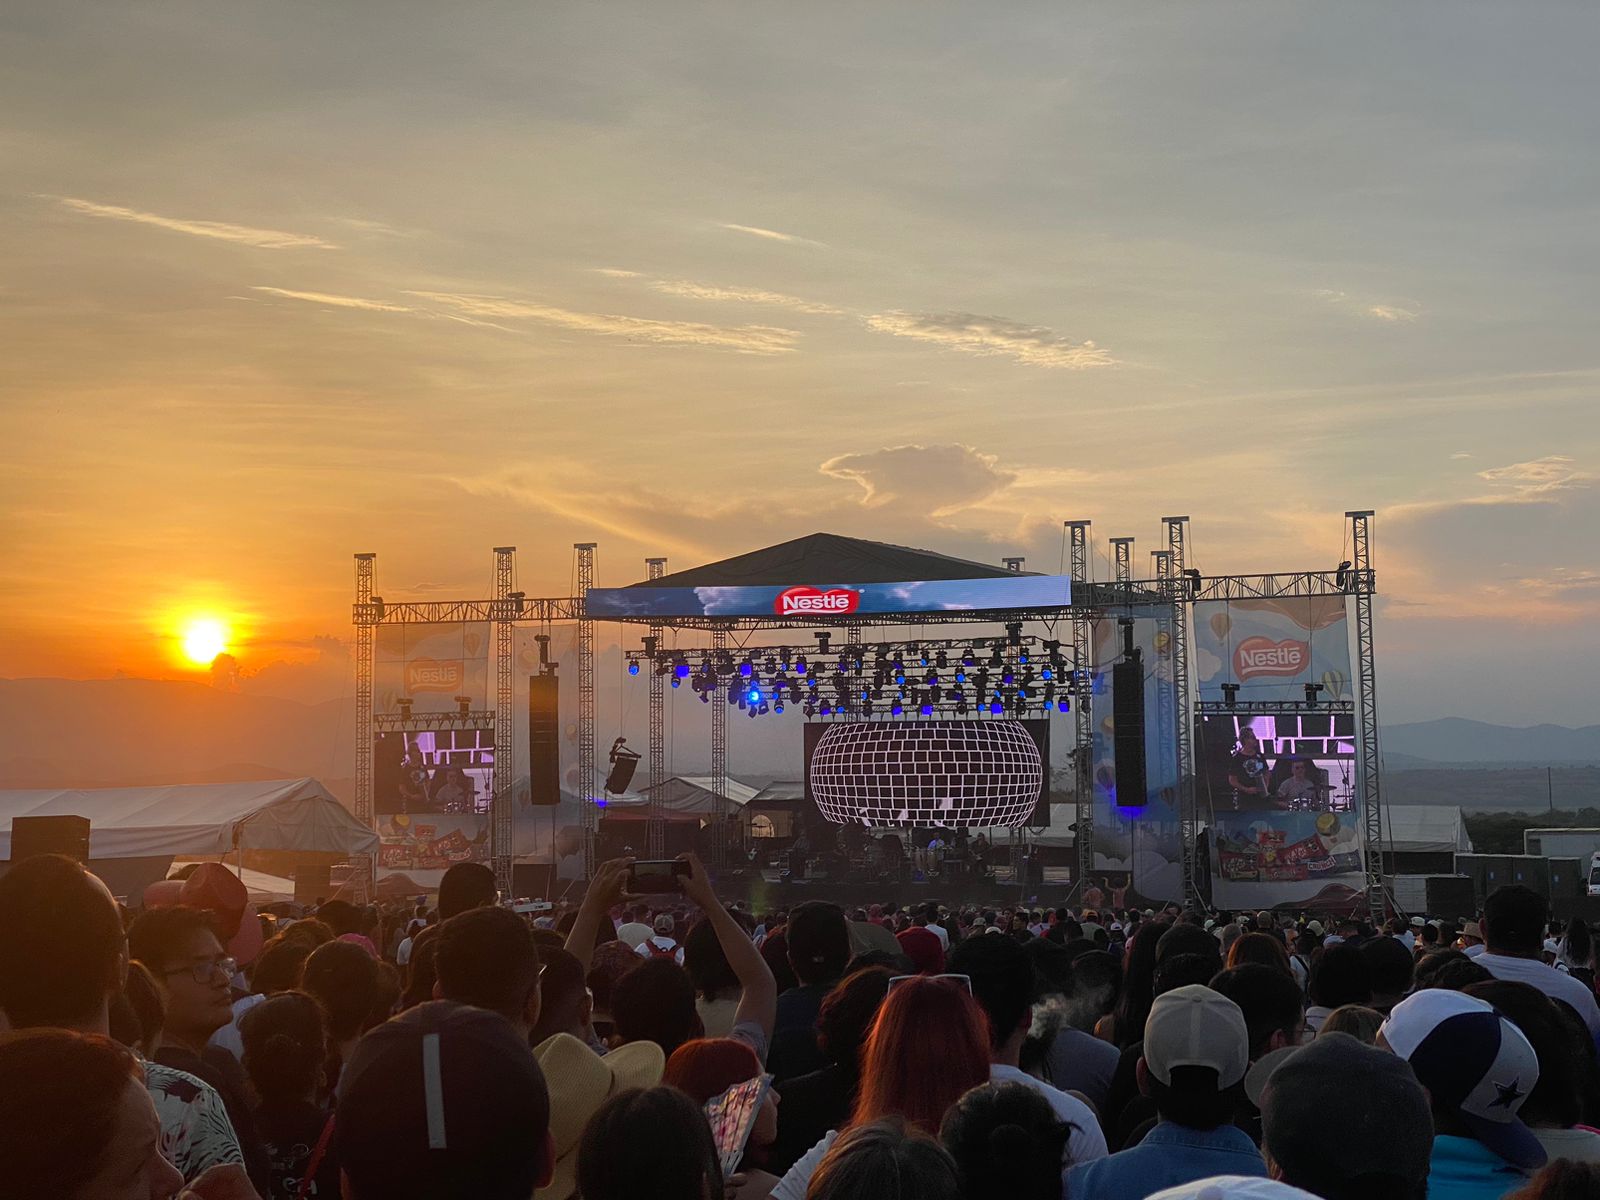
(1007, 678)
(633, 668)
(1047, 674)
(899, 676)
(754, 696)
(961, 708)
(705, 697)
(827, 709)
(823, 637)
(676, 681)
(941, 660)
(1014, 633)
(896, 709)
(997, 707)
(751, 713)
(745, 668)
(1063, 705)
(681, 669)
(800, 665)
(777, 707)
(961, 676)
(927, 710)
(1024, 658)
(967, 660)
(808, 711)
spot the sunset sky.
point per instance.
(284, 281)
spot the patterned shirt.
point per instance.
(195, 1131)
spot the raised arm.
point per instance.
(758, 1001)
(605, 889)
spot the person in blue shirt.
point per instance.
(1196, 1053)
(1478, 1069)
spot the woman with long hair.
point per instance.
(1125, 1025)
(705, 1068)
(652, 1142)
(1007, 1142)
(285, 1055)
(928, 1047)
(1577, 952)
(883, 1160)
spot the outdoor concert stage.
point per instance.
(1212, 736)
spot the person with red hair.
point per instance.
(705, 1068)
(928, 1046)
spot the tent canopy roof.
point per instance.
(829, 557)
(780, 792)
(698, 794)
(200, 819)
(1425, 829)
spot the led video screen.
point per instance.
(433, 771)
(976, 773)
(1285, 762)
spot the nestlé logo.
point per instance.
(435, 675)
(803, 601)
(1263, 656)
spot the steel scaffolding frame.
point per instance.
(586, 704)
(1183, 735)
(368, 610)
(1361, 582)
(1122, 570)
(719, 764)
(501, 843)
(1083, 714)
(655, 825)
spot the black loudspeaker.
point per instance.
(531, 880)
(1127, 716)
(544, 740)
(33, 836)
(623, 764)
(1450, 896)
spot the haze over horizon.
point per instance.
(282, 283)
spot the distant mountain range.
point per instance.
(1453, 741)
(109, 732)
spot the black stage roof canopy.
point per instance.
(833, 558)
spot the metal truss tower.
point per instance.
(501, 840)
(1178, 589)
(586, 705)
(1083, 707)
(1124, 561)
(655, 827)
(1166, 714)
(368, 610)
(1360, 581)
(719, 760)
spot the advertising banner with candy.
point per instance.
(1299, 859)
(820, 601)
(1272, 648)
(430, 665)
(415, 842)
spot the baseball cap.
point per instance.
(443, 1100)
(1232, 1187)
(1418, 922)
(1320, 1099)
(1471, 1060)
(665, 924)
(217, 890)
(1314, 928)
(580, 1082)
(1194, 1026)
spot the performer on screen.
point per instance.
(1300, 789)
(1247, 772)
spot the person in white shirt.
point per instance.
(1513, 929)
(662, 944)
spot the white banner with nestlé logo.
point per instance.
(1272, 648)
(431, 664)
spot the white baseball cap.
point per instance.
(1194, 1026)
(1233, 1187)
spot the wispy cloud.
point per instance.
(334, 301)
(772, 235)
(244, 235)
(1540, 476)
(1392, 312)
(971, 333)
(743, 339)
(706, 291)
(940, 479)
(616, 273)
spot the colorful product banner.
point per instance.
(820, 602)
(1272, 648)
(1285, 858)
(431, 843)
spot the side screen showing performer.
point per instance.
(1248, 773)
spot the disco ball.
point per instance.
(972, 773)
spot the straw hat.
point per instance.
(580, 1081)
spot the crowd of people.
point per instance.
(466, 1049)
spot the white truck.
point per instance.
(1594, 874)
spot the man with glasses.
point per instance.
(194, 974)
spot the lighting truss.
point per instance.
(1008, 675)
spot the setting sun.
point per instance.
(204, 639)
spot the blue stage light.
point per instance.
(1024, 658)
(927, 710)
(1047, 673)
(997, 707)
(1064, 705)
(897, 709)
(676, 682)
(745, 669)
(681, 671)
(633, 668)
(754, 696)
(777, 707)
(961, 676)
(826, 709)
(800, 667)
(1007, 677)
(599, 801)
(899, 677)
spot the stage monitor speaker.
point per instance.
(33, 836)
(1127, 713)
(544, 740)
